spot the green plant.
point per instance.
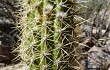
(49, 34)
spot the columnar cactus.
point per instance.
(48, 39)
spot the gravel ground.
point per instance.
(20, 66)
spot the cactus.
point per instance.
(49, 35)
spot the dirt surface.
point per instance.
(20, 66)
(8, 30)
